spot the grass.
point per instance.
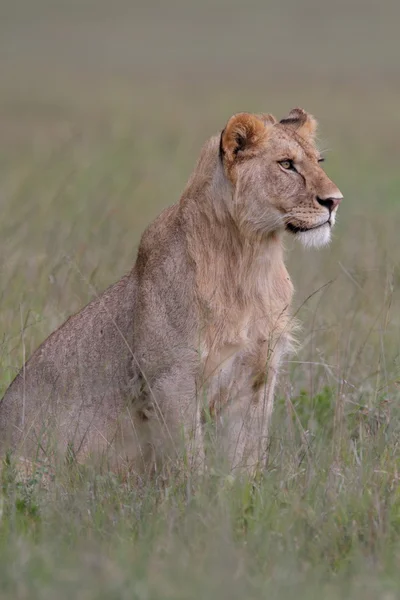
(102, 115)
(324, 520)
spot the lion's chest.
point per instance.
(241, 346)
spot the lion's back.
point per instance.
(78, 377)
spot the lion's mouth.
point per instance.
(297, 229)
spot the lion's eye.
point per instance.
(287, 164)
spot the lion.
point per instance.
(195, 334)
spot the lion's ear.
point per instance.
(304, 123)
(244, 134)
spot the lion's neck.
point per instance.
(233, 269)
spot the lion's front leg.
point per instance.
(245, 423)
(172, 417)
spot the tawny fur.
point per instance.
(199, 327)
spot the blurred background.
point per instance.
(104, 107)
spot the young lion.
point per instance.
(197, 330)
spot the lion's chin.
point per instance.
(315, 238)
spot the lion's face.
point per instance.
(277, 176)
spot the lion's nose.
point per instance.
(331, 202)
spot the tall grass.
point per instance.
(102, 114)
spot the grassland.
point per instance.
(103, 109)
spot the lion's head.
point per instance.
(277, 178)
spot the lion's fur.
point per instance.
(201, 323)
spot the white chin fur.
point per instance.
(315, 238)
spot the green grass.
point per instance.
(103, 111)
(324, 520)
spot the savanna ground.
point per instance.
(103, 110)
